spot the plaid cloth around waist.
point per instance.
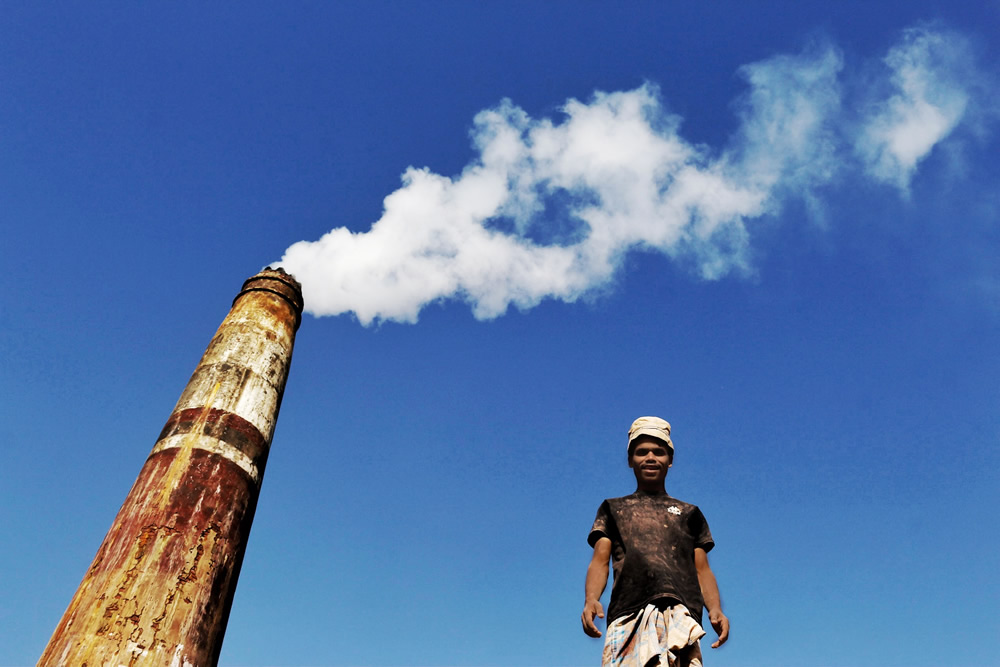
(654, 636)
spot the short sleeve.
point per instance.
(700, 532)
(602, 524)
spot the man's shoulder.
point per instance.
(611, 502)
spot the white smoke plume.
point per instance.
(549, 208)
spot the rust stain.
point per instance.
(183, 458)
(221, 425)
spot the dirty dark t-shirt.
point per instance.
(653, 538)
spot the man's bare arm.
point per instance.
(710, 593)
(597, 579)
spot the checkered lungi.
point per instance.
(667, 637)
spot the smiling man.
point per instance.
(659, 548)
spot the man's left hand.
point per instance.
(721, 626)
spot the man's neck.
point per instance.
(657, 490)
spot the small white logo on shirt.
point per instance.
(674, 510)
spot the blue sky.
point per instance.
(788, 250)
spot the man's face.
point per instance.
(650, 461)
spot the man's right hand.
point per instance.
(591, 610)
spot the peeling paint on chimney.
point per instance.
(160, 589)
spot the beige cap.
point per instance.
(651, 426)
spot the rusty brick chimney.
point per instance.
(161, 586)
